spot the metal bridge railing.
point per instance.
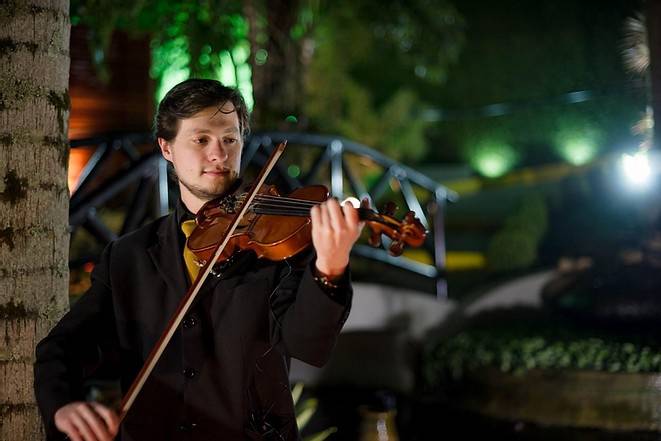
(127, 171)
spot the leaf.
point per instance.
(308, 408)
(296, 392)
(320, 436)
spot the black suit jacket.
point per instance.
(224, 375)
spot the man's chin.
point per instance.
(213, 193)
(208, 193)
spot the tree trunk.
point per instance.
(276, 83)
(34, 199)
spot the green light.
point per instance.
(227, 72)
(577, 142)
(260, 56)
(294, 171)
(245, 84)
(241, 52)
(170, 67)
(236, 76)
(291, 119)
(493, 159)
(578, 152)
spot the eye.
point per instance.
(200, 140)
(231, 140)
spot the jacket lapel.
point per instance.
(167, 256)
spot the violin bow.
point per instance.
(191, 294)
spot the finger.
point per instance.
(325, 218)
(95, 422)
(82, 427)
(108, 415)
(353, 221)
(72, 433)
(351, 215)
(335, 215)
(315, 217)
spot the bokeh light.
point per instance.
(492, 158)
(578, 151)
(636, 169)
(577, 142)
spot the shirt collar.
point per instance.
(182, 213)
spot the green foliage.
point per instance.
(510, 250)
(520, 348)
(393, 128)
(368, 58)
(515, 246)
(531, 217)
(191, 33)
(304, 412)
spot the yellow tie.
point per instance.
(187, 227)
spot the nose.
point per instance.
(217, 152)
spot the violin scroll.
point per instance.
(407, 232)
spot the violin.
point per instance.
(278, 227)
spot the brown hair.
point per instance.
(191, 96)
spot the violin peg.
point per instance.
(396, 248)
(389, 209)
(374, 239)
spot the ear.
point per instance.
(166, 149)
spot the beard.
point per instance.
(214, 190)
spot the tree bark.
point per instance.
(34, 199)
(276, 83)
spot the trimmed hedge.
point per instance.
(520, 348)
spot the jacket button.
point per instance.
(189, 321)
(186, 427)
(189, 373)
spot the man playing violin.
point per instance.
(224, 374)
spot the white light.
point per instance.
(636, 168)
(351, 200)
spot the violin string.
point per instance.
(275, 212)
(285, 202)
(278, 211)
(281, 210)
(267, 210)
(281, 205)
(288, 201)
(277, 205)
(285, 206)
(284, 198)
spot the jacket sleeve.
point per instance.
(305, 319)
(73, 346)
